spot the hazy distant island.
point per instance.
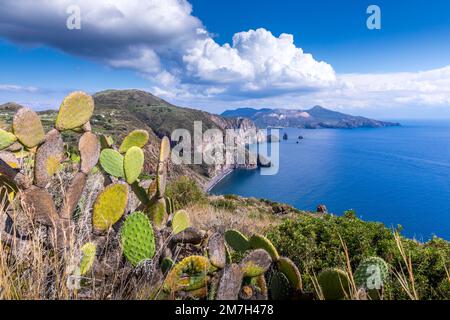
(314, 118)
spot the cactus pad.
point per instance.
(133, 164)
(255, 263)
(334, 284)
(216, 250)
(112, 162)
(39, 203)
(195, 267)
(290, 270)
(164, 151)
(371, 273)
(73, 195)
(236, 240)
(6, 139)
(28, 128)
(166, 265)
(279, 286)
(136, 138)
(75, 111)
(260, 242)
(88, 257)
(48, 158)
(158, 213)
(89, 147)
(161, 179)
(109, 206)
(137, 238)
(180, 221)
(106, 141)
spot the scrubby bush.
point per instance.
(184, 191)
(224, 204)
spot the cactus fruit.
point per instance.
(236, 240)
(88, 257)
(216, 250)
(39, 203)
(180, 221)
(133, 164)
(112, 162)
(6, 139)
(371, 273)
(109, 206)
(27, 127)
(73, 195)
(158, 213)
(136, 138)
(137, 238)
(260, 242)
(164, 152)
(290, 270)
(161, 179)
(75, 111)
(48, 158)
(279, 287)
(196, 267)
(334, 283)
(166, 264)
(255, 263)
(89, 147)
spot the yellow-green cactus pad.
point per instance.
(158, 213)
(48, 158)
(334, 283)
(28, 128)
(136, 138)
(180, 221)
(189, 274)
(164, 151)
(260, 242)
(75, 111)
(6, 139)
(89, 147)
(133, 164)
(112, 162)
(88, 257)
(290, 270)
(109, 206)
(137, 238)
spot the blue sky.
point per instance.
(226, 54)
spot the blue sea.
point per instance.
(395, 175)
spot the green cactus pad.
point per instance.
(89, 147)
(137, 238)
(112, 162)
(75, 111)
(180, 221)
(290, 270)
(6, 139)
(164, 151)
(158, 213)
(260, 242)
(88, 257)
(334, 283)
(166, 265)
(236, 240)
(136, 138)
(169, 205)
(371, 273)
(279, 287)
(48, 158)
(133, 164)
(28, 128)
(109, 206)
(195, 267)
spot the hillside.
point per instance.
(314, 118)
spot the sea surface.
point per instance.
(395, 175)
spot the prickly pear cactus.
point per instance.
(279, 286)
(75, 111)
(256, 262)
(372, 273)
(161, 179)
(164, 149)
(217, 251)
(195, 268)
(180, 221)
(137, 238)
(109, 206)
(133, 164)
(260, 242)
(112, 162)
(334, 283)
(27, 127)
(88, 257)
(290, 270)
(89, 147)
(48, 158)
(236, 240)
(158, 213)
(6, 139)
(166, 264)
(136, 138)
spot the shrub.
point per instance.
(224, 204)
(185, 191)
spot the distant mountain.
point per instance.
(314, 118)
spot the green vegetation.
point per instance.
(185, 192)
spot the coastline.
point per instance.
(216, 179)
